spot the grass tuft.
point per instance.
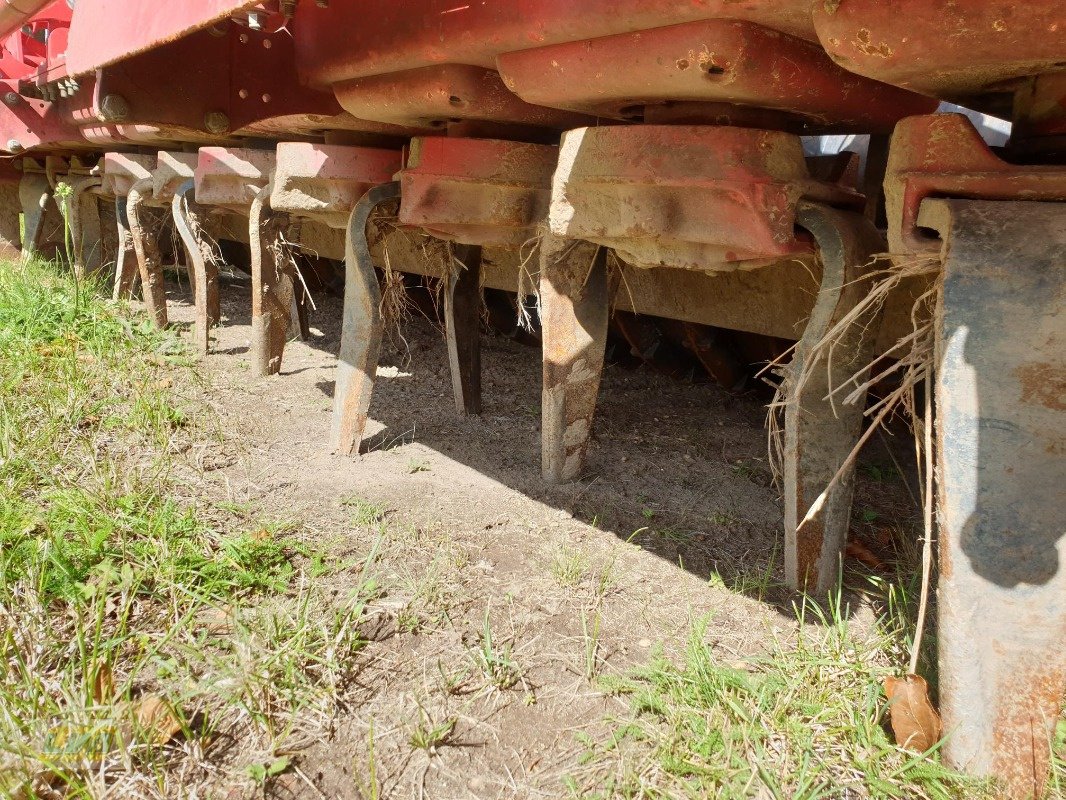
(496, 661)
(138, 642)
(804, 721)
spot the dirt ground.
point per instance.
(676, 519)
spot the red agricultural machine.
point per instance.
(652, 142)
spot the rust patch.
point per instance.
(1028, 702)
(682, 63)
(1043, 383)
(865, 45)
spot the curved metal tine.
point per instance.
(462, 321)
(125, 258)
(10, 225)
(273, 287)
(146, 246)
(821, 434)
(188, 222)
(41, 216)
(85, 228)
(574, 316)
(362, 327)
(299, 323)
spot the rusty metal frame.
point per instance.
(943, 155)
(716, 62)
(693, 197)
(1000, 445)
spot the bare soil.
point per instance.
(622, 561)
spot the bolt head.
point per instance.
(14, 145)
(113, 108)
(216, 122)
(12, 99)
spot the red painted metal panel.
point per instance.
(355, 39)
(477, 191)
(943, 155)
(326, 181)
(28, 123)
(229, 79)
(34, 45)
(691, 197)
(713, 61)
(433, 96)
(944, 47)
(230, 177)
(122, 170)
(105, 31)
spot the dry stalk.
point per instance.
(912, 354)
(209, 247)
(528, 282)
(927, 519)
(283, 250)
(616, 280)
(396, 306)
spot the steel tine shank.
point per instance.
(146, 246)
(361, 327)
(574, 315)
(273, 286)
(820, 432)
(188, 220)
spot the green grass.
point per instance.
(496, 661)
(569, 566)
(116, 595)
(429, 735)
(365, 513)
(805, 721)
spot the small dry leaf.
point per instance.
(915, 723)
(856, 550)
(103, 684)
(261, 535)
(156, 722)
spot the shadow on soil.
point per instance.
(680, 469)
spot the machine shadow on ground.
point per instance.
(678, 468)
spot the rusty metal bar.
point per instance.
(1001, 401)
(10, 229)
(820, 434)
(125, 258)
(40, 213)
(188, 219)
(85, 230)
(574, 315)
(146, 246)
(462, 320)
(361, 328)
(273, 286)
